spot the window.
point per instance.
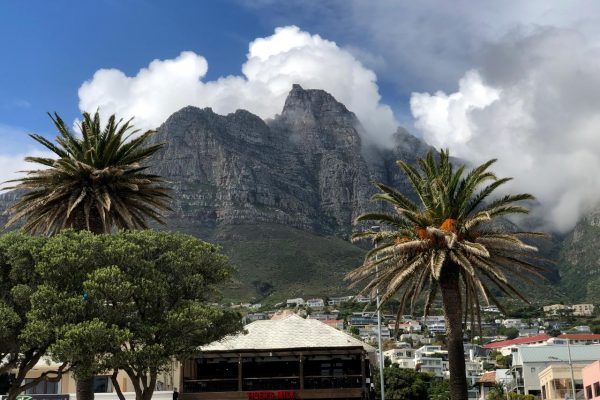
(102, 384)
(596, 388)
(43, 387)
(588, 392)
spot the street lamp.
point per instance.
(381, 360)
(574, 394)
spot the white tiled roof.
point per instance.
(292, 332)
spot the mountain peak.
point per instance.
(312, 101)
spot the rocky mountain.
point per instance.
(305, 168)
(279, 195)
(579, 260)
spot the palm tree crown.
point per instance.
(451, 229)
(96, 182)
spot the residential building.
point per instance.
(436, 328)
(505, 346)
(255, 317)
(555, 381)
(556, 309)
(334, 323)
(291, 303)
(290, 358)
(576, 338)
(413, 337)
(370, 333)
(526, 332)
(405, 357)
(103, 387)
(583, 310)
(362, 299)
(582, 329)
(474, 370)
(591, 380)
(336, 301)
(362, 319)
(490, 309)
(513, 323)
(407, 327)
(323, 316)
(529, 361)
(315, 303)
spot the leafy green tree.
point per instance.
(403, 384)
(19, 350)
(510, 333)
(439, 390)
(130, 301)
(98, 182)
(447, 243)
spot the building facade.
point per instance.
(289, 358)
(591, 381)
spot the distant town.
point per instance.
(526, 355)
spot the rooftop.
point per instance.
(555, 354)
(289, 332)
(514, 342)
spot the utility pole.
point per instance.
(571, 368)
(381, 360)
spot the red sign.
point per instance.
(281, 394)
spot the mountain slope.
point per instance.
(280, 195)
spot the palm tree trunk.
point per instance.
(85, 388)
(450, 289)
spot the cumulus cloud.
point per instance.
(13, 165)
(273, 64)
(16, 145)
(533, 103)
(426, 45)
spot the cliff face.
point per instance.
(579, 260)
(306, 168)
(278, 195)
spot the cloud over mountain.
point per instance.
(273, 64)
(533, 102)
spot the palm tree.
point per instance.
(97, 182)
(448, 243)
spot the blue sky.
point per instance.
(514, 80)
(50, 48)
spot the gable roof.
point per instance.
(513, 342)
(291, 332)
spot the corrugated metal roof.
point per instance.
(558, 353)
(292, 332)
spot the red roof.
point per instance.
(580, 336)
(521, 340)
(332, 321)
(488, 377)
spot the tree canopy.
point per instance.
(96, 181)
(133, 301)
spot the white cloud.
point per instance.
(533, 103)
(12, 165)
(427, 45)
(273, 64)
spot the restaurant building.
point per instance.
(288, 358)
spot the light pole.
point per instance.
(381, 360)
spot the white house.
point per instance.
(529, 361)
(294, 302)
(315, 303)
